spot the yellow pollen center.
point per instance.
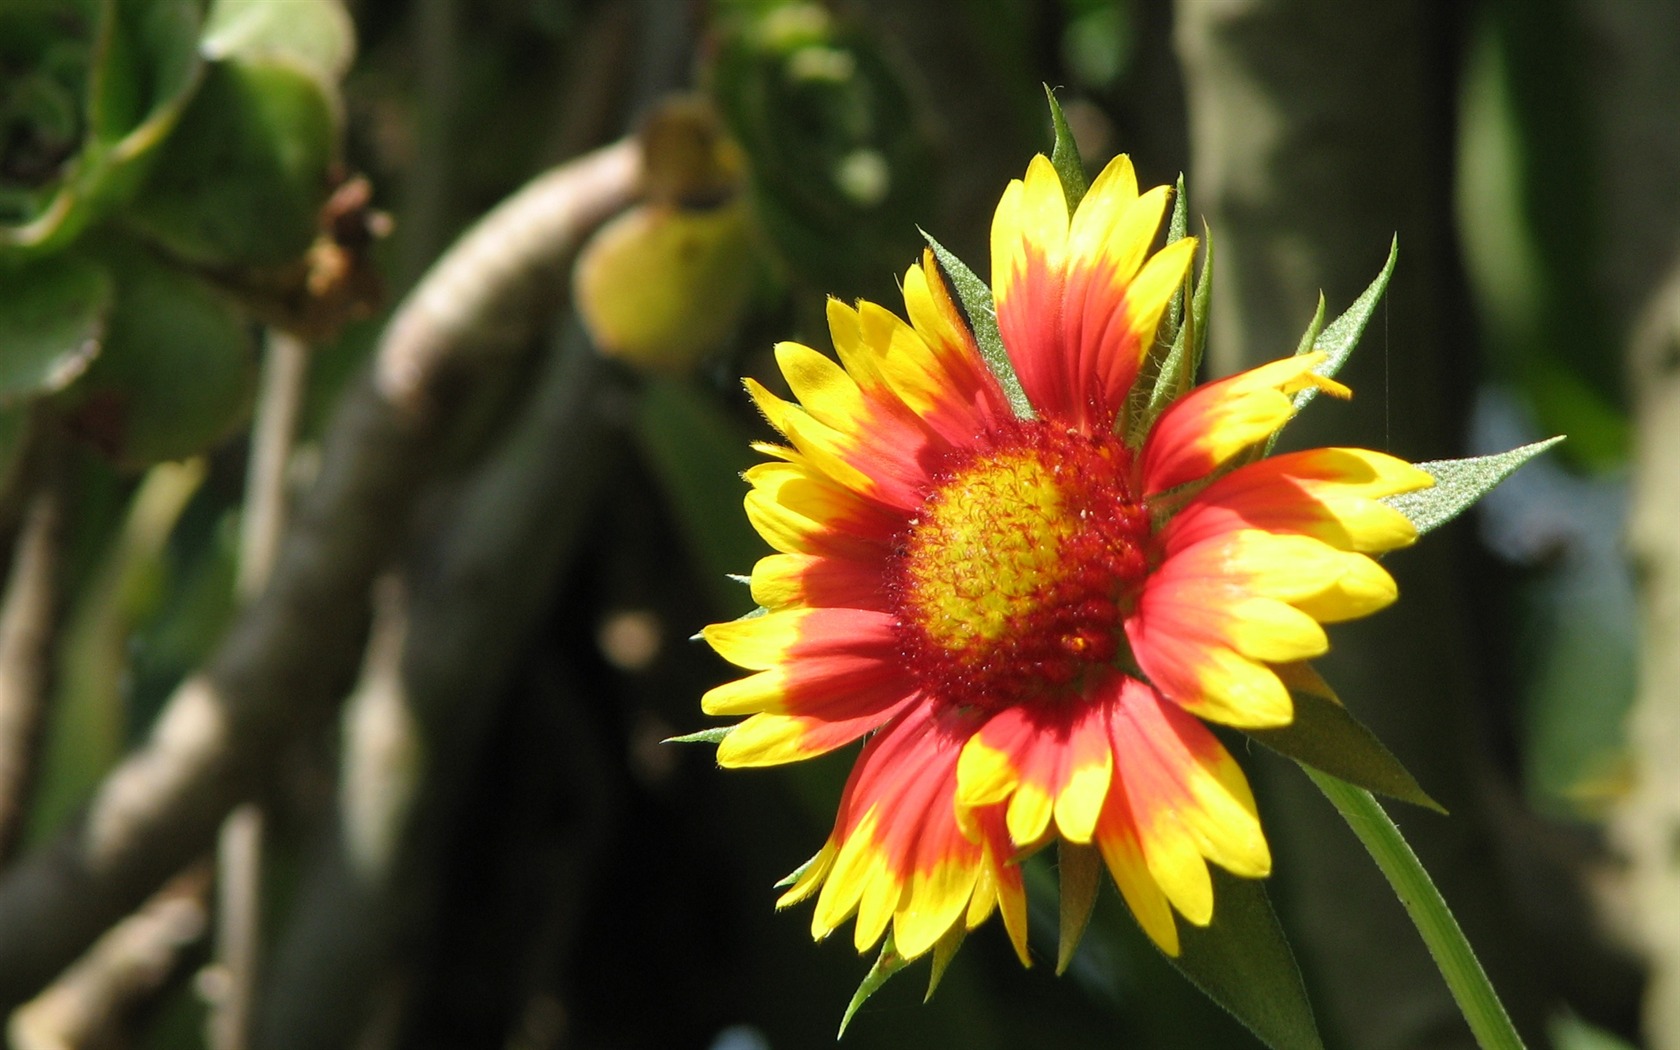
(1014, 577)
(988, 550)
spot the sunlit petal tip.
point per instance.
(1030, 810)
(985, 775)
(1117, 180)
(809, 878)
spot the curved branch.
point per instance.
(284, 664)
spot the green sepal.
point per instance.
(944, 950)
(1178, 227)
(1325, 736)
(1064, 155)
(1340, 337)
(1241, 960)
(52, 324)
(888, 963)
(1309, 338)
(1079, 876)
(796, 874)
(1176, 373)
(752, 614)
(1460, 483)
(975, 298)
(713, 735)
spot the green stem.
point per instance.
(1464, 975)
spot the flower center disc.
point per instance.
(1013, 578)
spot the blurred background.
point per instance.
(384, 526)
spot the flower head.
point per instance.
(1028, 616)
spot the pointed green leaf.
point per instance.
(1325, 736)
(52, 324)
(1079, 874)
(1242, 961)
(1178, 227)
(1460, 483)
(714, 735)
(975, 298)
(1064, 157)
(1342, 334)
(1177, 373)
(1199, 303)
(944, 950)
(1309, 338)
(888, 963)
(797, 873)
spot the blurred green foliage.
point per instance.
(156, 158)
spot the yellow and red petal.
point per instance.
(970, 401)
(1078, 301)
(1331, 494)
(938, 385)
(1179, 800)
(898, 854)
(1047, 764)
(781, 581)
(770, 739)
(798, 511)
(807, 637)
(857, 455)
(1202, 430)
(1117, 839)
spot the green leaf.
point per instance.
(975, 298)
(177, 370)
(713, 735)
(1242, 961)
(142, 66)
(697, 454)
(1342, 334)
(888, 963)
(1460, 483)
(1064, 156)
(52, 321)
(1325, 736)
(243, 178)
(317, 33)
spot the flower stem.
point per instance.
(1441, 933)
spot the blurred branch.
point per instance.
(240, 846)
(28, 621)
(282, 666)
(475, 590)
(1645, 821)
(90, 1006)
